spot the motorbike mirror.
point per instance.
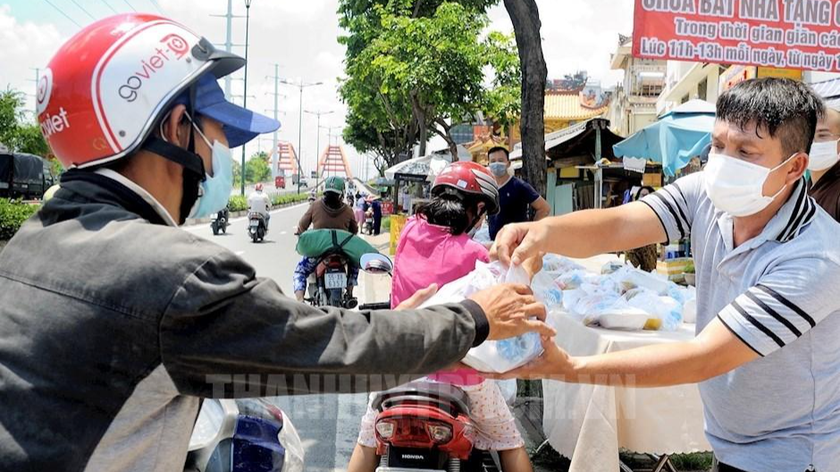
(376, 263)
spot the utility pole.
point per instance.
(37, 86)
(229, 16)
(301, 85)
(319, 114)
(274, 154)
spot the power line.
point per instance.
(109, 6)
(129, 5)
(156, 5)
(62, 12)
(83, 9)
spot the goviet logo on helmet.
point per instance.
(111, 81)
(147, 68)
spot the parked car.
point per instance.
(25, 176)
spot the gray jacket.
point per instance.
(113, 326)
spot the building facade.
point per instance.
(634, 101)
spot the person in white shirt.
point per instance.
(259, 202)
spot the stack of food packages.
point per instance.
(621, 296)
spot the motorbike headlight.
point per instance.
(386, 429)
(440, 433)
(209, 423)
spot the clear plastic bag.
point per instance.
(492, 356)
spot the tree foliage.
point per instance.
(257, 169)
(575, 81)
(15, 132)
(418, 67)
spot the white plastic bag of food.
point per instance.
(491, 356)
(546, 290)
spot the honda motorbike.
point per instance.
(329, 285)
(220, 221)
(257, 227)
(424, 426)
(244, 435)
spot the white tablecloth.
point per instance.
(590, 423)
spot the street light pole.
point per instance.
(318, 143)
(245, 92)
(300, 86)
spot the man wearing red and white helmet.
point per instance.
(116, 323)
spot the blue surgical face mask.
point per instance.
(215, 191)
(498, 169)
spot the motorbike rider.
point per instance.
(438, 236)
(116, 322)
(328, 213)
(260, 203)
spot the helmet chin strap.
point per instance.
(476, 219)
(192, 163)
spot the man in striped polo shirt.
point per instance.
(767, 351)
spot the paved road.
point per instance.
(328, 424)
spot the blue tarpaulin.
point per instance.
(677, 137)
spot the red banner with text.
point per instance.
(787, 34)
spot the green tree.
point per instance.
(257, 168)
(15, 132)
(416, 68)
(237, 174)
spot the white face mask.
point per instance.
(736, 186)
(823, 155)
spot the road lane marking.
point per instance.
(239, 253)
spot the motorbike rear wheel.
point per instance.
(335, 298)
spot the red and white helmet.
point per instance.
(259, 187)
(469, 178)
(106, 87)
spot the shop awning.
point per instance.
(678, 136)
(829, 90)
(578, 139)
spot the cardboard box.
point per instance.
(652, 180)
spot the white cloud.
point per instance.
(26, 45)
(578, 34)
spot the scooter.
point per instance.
(244, 435)
(256, 226)
(220, 222)
(329, 284)
(367, 227)
(424, 426)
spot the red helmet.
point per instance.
(107, 86)
(259, 187)
(469, 178)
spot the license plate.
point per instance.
(255, 224)
(335, 280)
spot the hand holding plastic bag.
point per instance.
(493, 356)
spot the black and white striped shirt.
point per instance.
(779, 293)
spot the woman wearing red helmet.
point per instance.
(438, 237)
